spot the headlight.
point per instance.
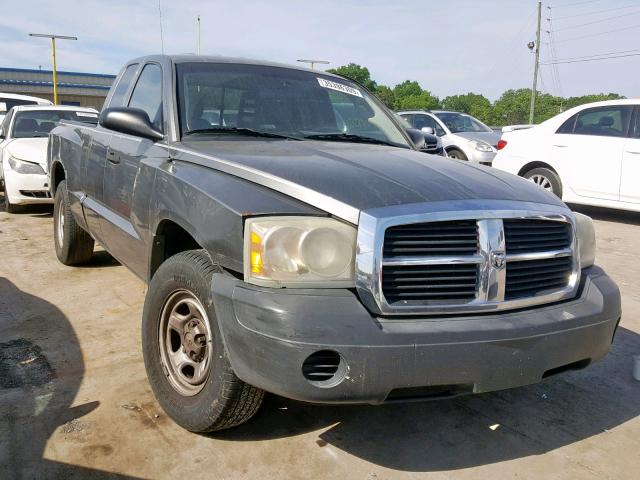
(299, 252)
(22, 166)
(481, 146)
(586, 236)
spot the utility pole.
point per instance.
(535, 67)
(198, 35)
(53, 48)
(313, 62)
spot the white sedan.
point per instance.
(587, 155)
(23, 150)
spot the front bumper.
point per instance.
(269, 334)
(482, 158)
(26, 188)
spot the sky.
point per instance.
(450, 47)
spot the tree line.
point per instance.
(511, 108)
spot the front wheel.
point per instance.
(185, 358)
(545, 178)
(73, 244)
(10, 207)
(457, 154)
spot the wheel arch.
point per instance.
(537, 164)
(171, 236)
(58, 174)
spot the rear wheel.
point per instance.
(545, 178)
(73, 244)
(457, 154)
(186, 361)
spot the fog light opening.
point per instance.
(324, 369)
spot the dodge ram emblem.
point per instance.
(497, 260)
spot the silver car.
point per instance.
(463, 136)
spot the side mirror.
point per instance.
(417, 137)
(428, 130)
(133, 121)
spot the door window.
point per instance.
(117, 99)
(635, 131)
(603, 121)
(420, 121)
(147, 94)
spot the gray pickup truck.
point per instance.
(294, 241)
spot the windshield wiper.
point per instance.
(239, 131)
(348, 137)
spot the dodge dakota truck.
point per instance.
(295, 241)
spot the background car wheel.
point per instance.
(10, 207)
(73, 244)
(545, 178)
(457, 154)
(184, 355)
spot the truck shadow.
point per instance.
(608, 214)
(468, 431)
(41, 369)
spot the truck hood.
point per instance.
(488, 137)
(29, 149)
(362, 176)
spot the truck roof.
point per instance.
(193, 58)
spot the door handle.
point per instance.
(561, 146)
(633, 152)
(113, 157)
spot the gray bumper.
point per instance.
(269, 333)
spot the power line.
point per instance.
(597, 21)
(595, 59)
(597, 11)
(599, 55)
(575, 4)
(597, 34)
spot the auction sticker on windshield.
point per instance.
(339, 87)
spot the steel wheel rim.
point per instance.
(185, 342)
(541, 181)
(60, 225)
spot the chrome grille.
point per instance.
(437, 238)
(430, 282)
(526, 278)
(525, 235)
(472, 261)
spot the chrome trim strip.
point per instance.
(491, 280)
(304, 194)
(430, 260)
(565, 252)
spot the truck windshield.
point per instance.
(460, 122)
(221, 99)
(38, 123)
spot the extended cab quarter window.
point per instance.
(117, 99)
(603, 121)
(147, 94)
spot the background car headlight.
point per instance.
(481, 146)
(299, 252)
(586, 235)
(22, 166)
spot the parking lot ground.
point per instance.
(75, 402)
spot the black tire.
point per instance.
(458, 154)
(223, 400)
(10, 207)
(73, 244)
(545, 178)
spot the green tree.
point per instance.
(385, 94)
(410, 95)
(357, 73)
(596, 97)
(472, 103)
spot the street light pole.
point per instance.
(53, 48)
(313, 62)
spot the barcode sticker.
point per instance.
(339, 87)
